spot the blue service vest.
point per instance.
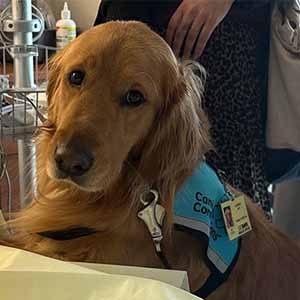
(197, 208)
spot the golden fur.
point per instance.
(156, 145)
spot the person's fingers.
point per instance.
(172, 26)
(205, 34)
(181, 33)
(193, 34)
(192, 25)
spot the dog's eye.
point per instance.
(133, 98)
(76, 77)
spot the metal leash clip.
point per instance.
(153, 216)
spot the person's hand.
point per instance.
(193, 23)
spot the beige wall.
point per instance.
(83, 11)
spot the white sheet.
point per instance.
(27, 276)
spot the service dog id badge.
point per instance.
(236, 217)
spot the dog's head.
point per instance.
(118, 99)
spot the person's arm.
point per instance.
(195, 20)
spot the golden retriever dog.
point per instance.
(125, 117)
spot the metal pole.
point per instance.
(27, 171)
(23, 64)
(24, 78)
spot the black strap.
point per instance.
(69, 234)
(164, 260)
(216, 278)
(74, 233)
(210, 285)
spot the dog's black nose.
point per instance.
(72, 161)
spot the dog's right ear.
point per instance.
(180, 135)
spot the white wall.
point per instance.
(83, 11)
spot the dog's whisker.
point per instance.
(139, 185)
(134, 169)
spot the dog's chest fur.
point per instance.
(130, 245)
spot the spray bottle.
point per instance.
(65, 28)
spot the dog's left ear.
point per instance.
(54, 81)
(54, 70)
(180, 134)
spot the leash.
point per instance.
(153, 215)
